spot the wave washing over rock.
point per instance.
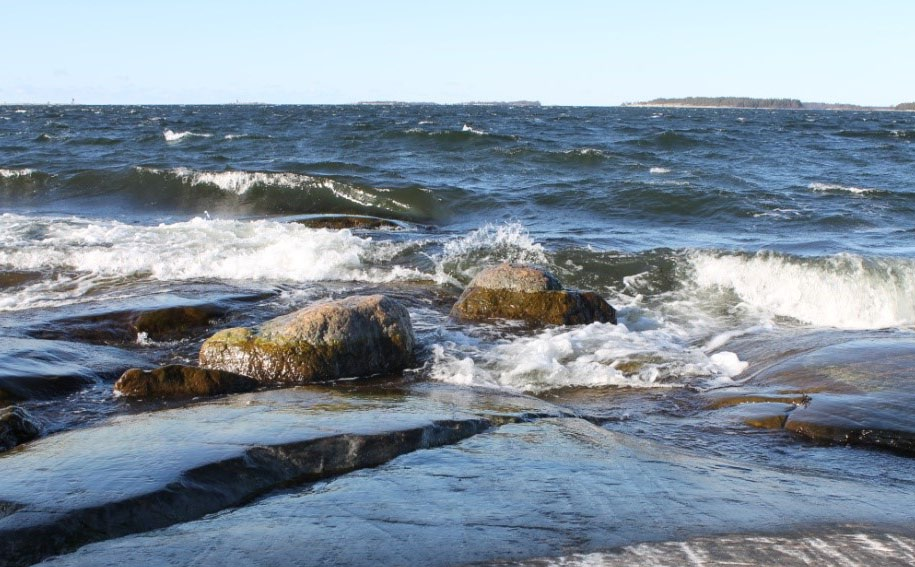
(752, 403)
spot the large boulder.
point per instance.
(16, 427)
(527, 293)
(177, 381)
(356, 336)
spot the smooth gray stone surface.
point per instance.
(146, 471)
(536, 489)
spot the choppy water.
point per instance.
(726, 238)
(694, 222)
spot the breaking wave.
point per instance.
(250, 192)
(835, 187)
(87, 255)
(844, 291)
(171, 136)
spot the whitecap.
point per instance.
(472, 130)
(15, 173)
(831, 187)
(171, 136)
(658, 170)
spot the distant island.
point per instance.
(759, 103)
(471, 103)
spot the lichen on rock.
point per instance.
(355, 336)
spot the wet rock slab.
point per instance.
(141, 472)
(531, 489)
(42, 369)
(849, 393)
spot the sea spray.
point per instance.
(845, 291)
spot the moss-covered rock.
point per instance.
(177, 381)
(356, 336)
(529, 294)
(16, 427)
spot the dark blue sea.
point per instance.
(732, 242)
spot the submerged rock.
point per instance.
(338, 222)
(177, 381)
(162, 324)
(356, 336)
(16, 427)
(526, 293)
(882, 420)
(18, 278)
(33, 369)
(174, 323)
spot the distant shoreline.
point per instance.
(747, 103)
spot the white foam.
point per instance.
(171, 136)
(843, 291)
(780, 213)
(593, 355)
(832, 187)
(658, 170)
(90, 254)
(472, 130)
(586, 152)
(15, 173)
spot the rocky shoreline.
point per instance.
(273, 406)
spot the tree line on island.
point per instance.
(761, 103)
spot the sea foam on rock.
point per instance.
(178, 381)
(531, 294)
(355, 336)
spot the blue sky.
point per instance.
(572, 52)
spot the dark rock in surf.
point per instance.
(16, 427)
(530, 294)
(356, 336)
(18, 278)
(165, 324)
(882, 420)
(177, 381)
(174, 323)
(339, 222)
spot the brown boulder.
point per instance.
(527, 293)
(356, 336)
(177, 381)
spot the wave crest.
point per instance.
(843, 291)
